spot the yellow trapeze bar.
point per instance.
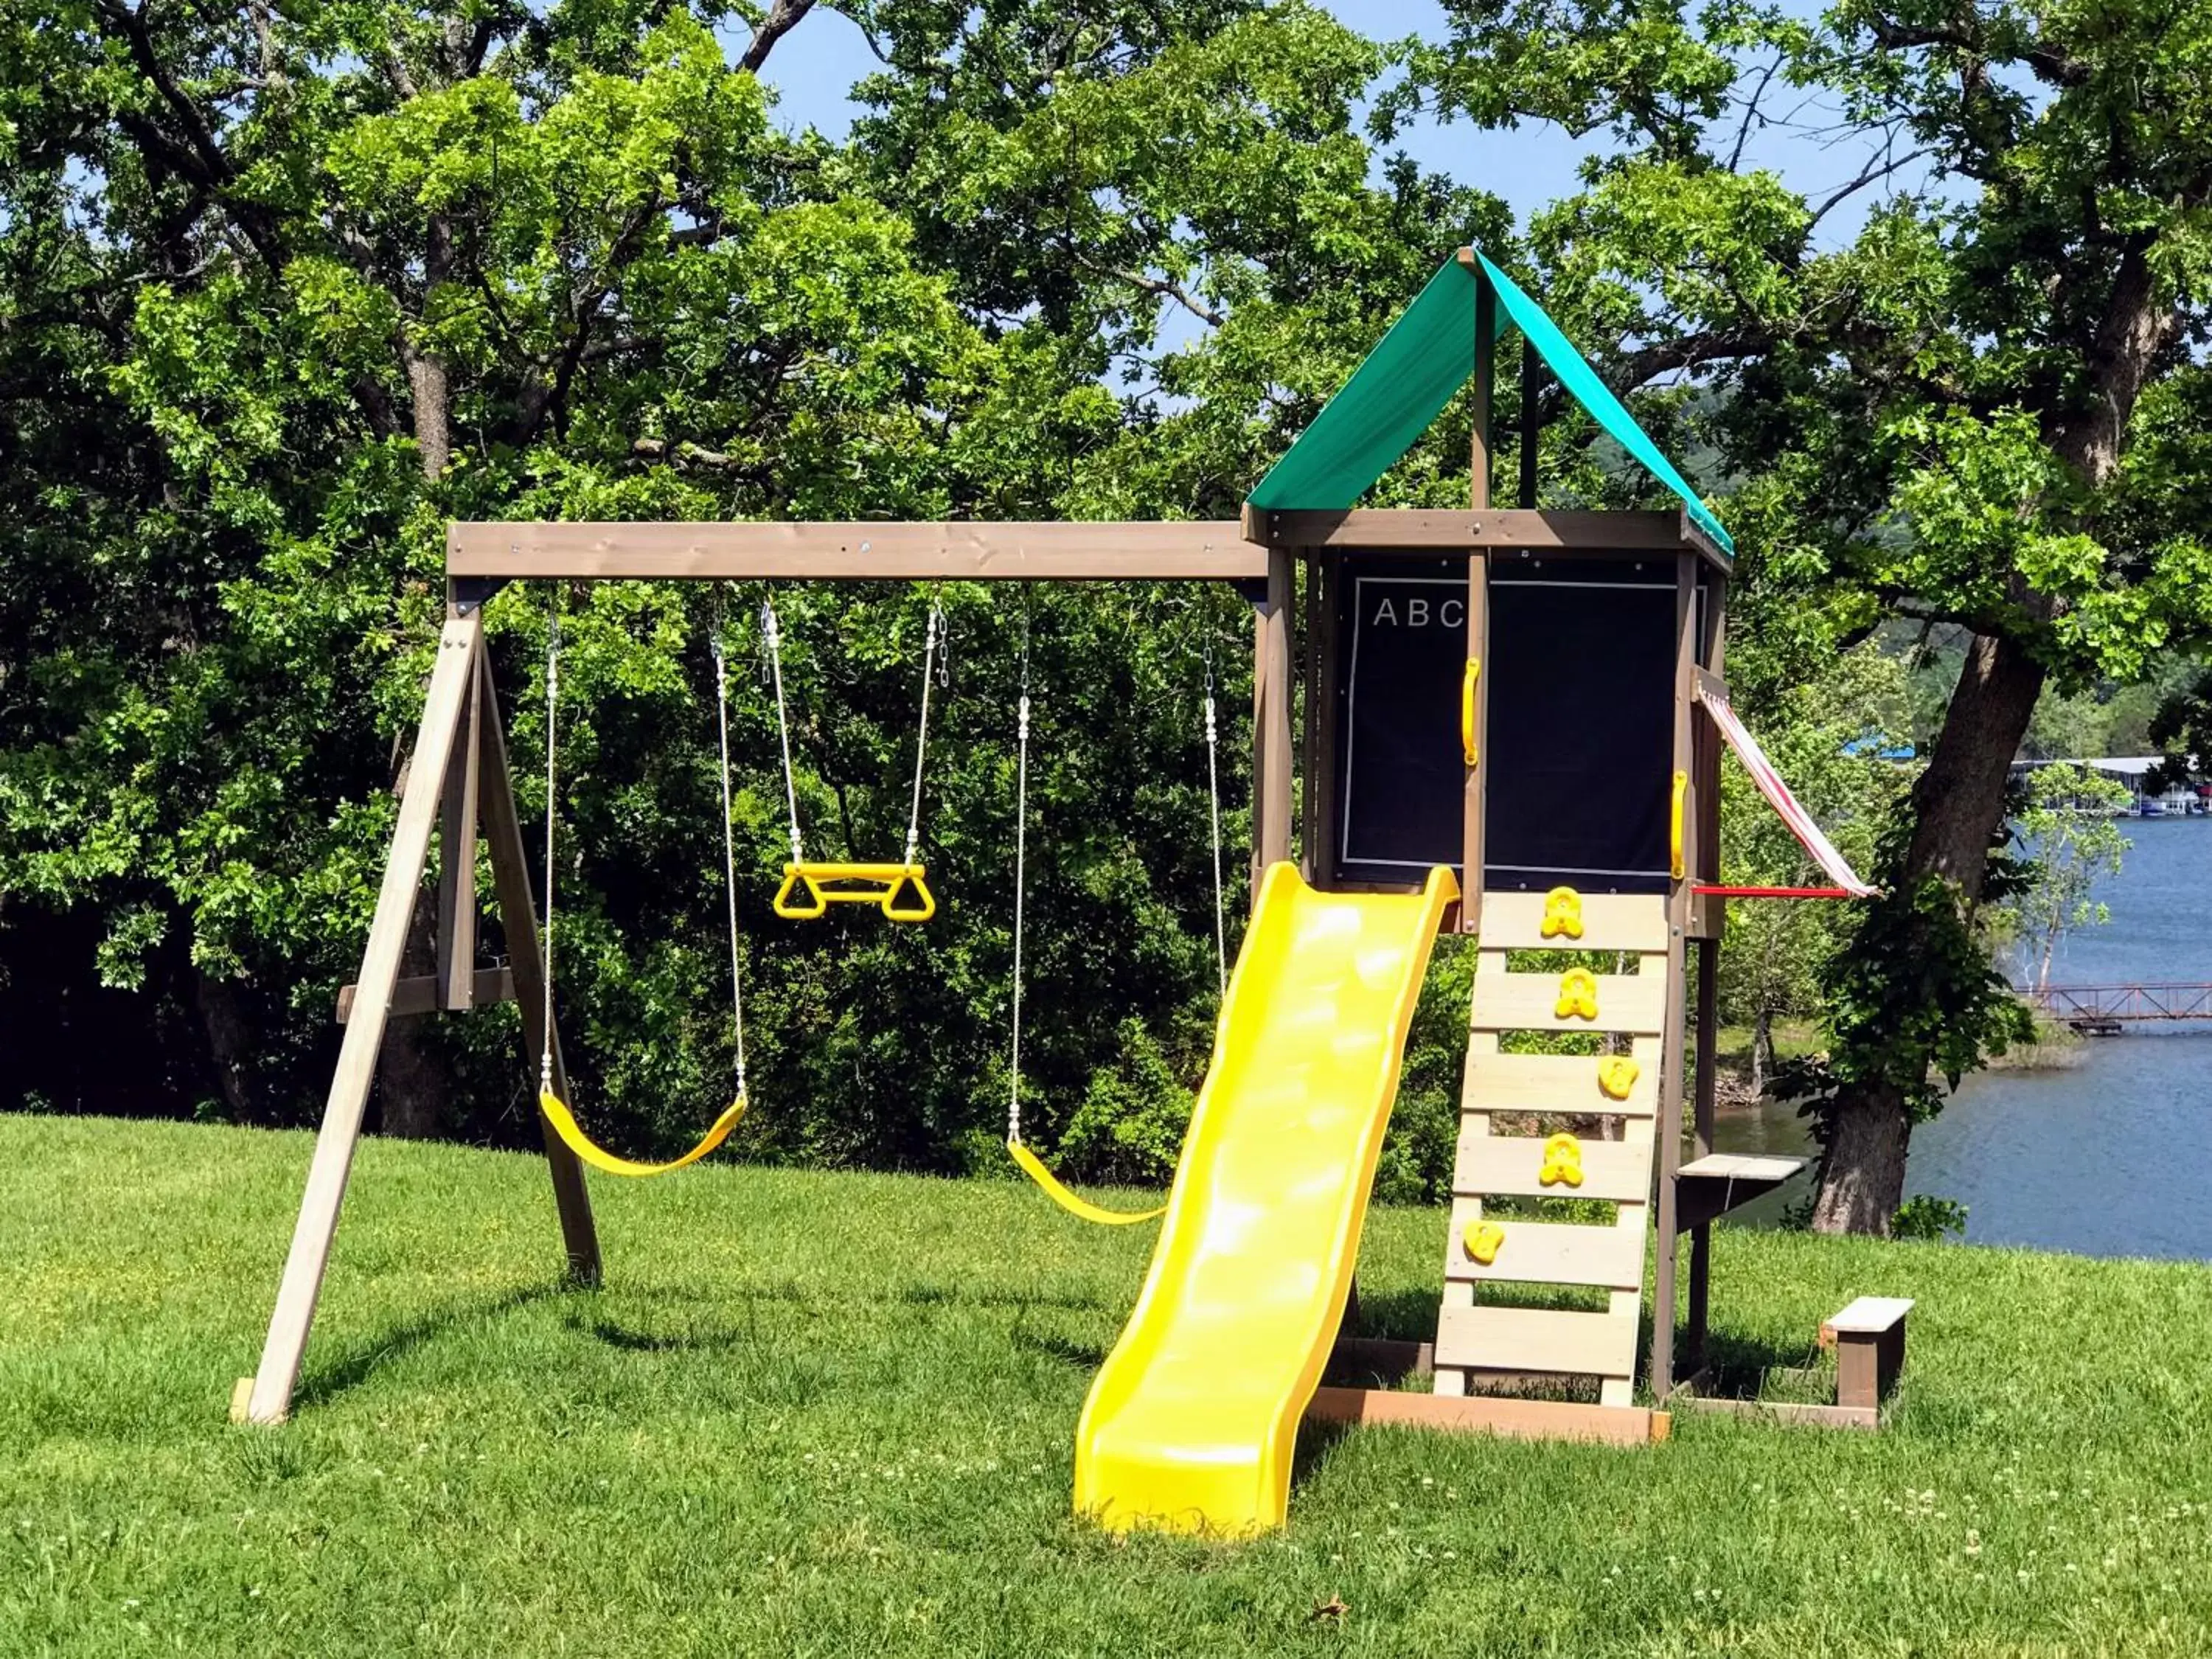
(901, 890)
(1082, 1208)
(573, 1136)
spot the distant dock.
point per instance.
(2108, 1010)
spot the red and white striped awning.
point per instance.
(1813, 837)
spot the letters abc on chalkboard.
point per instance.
(1417, 610)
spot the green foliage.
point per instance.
(1915, 1004)
(287, 291)
(1826, 735)
(1930, 1218)
(2070, 840)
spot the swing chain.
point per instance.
(922, 735)
(773, 635)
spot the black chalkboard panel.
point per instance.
(1578, 754)
(1580, 749)
(1401, 777)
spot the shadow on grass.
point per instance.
(1315, 1442)
(1409, 1314)
(615, 1335)
(1741, 1368)
(360, 1360)
(1086, 1355)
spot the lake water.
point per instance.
(2112, 1157)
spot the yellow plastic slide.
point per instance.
(1191, 1423)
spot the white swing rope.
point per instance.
(729, 851)
(1021, 876)
(773, 635)
(552, 731)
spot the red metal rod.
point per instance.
(1775, 893)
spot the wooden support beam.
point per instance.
(964, 551)
(1519, 1419)
(1272, 745)
(456, 865)
(1701, 1106)
(1443, 531)
(1531, 370)
(427, 994)
(1678, 921)
(1474, 805)
(518, 911)
(270, 1399)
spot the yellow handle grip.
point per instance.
(1467, 708)
(1675, 825)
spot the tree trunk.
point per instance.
(1957, 805)
(1762, 1051)
(230, 1039)
(411, 1076)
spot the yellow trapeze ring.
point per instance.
(1081, 1207)
(900, 890)
(573, 1136)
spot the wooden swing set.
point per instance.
(1375, 817)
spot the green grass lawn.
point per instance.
(821, 1414)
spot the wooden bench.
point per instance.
(1869, 1337)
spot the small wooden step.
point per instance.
(1537, 1339)
(1558, 1084)
(1549, 1252)
(1611, 921)
(1491, 1165)
(1630, 1004)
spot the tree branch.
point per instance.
(782, 18)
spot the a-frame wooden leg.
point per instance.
(270, 1396)
(457, 863)
(518, 911)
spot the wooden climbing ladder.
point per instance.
(1510, 1109)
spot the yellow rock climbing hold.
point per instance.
(1563, 914)
(1577, 994)
(1563, 1161)
(1616, 1076)
(1482, 1239)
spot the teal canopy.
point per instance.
(1405, 382)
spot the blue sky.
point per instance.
(815, 65)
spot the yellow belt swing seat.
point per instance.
(557, 1116)
(1025, 1160)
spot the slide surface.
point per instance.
(1192, 1421)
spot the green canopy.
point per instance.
(1414, 369)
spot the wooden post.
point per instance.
(1670, 1050)
(457, 863)
(1701, 1236)
(270, 1397)
(1480, 459)
(1325, 572)
(1531, 429)
(1271, 743)
(1317, 783)
(518, 914)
